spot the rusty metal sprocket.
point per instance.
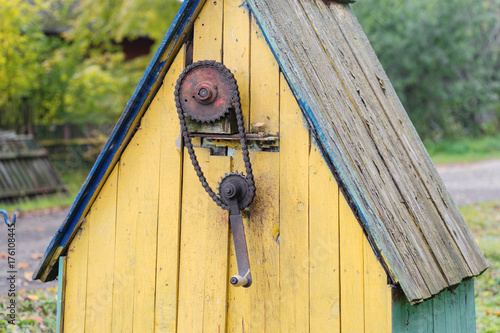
(205, 91)
(235, 98)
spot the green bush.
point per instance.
(442, 58)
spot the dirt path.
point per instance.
(467, 183)
(33, 234)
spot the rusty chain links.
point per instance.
(235, 96)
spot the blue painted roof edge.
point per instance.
(117, 137)
(325, 149)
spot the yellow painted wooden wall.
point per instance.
(155, 253)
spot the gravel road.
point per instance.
(470, 183)
(467, 183)
(33, 234)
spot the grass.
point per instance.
(35, 311)
(73, 180)
(464, 150)
(484, 222)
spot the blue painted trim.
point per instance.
(116, 139)
(60, 291)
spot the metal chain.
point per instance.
(235, 96)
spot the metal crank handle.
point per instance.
(244, 278)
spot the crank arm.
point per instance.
(244, 278)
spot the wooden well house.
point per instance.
(340, 219)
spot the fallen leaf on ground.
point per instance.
(36, 256)
(23, 265)
(4, 255)
(33, 297)
(37, 318)
(28, 275)
(39, 229)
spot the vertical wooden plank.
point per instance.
(146, 216)
(377, 294)
(239, 299)
(124, 273)
(399, 317)
(216, 253)
(236, 49)
(452, 310)
(351, 270)
(76, 281)
(421, 316)
(61, 293)
(439, 313)
(409, 318)
(323, 245)
(264, 83)
(256, 309)
(461, 294)
(167, 257)
(192, 245)
(207, 36)
(448, 312)
(101, 228)
(294, 229)
(470, 306)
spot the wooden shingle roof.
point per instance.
(363, 131)
(371, 144)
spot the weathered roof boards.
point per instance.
(293, 60)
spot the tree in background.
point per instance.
(442, 58)
(77, 74)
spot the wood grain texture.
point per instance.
(145, 197)
(377, 294)
(207, 33)
(424, 167)
(385, 154)
(294, 203)
(125, 261)
(451, 311)
(369, 140)
(216, 253)
(351, 270)
(169, 202)
(236, 49)
(257, 309)
(76, 282)
(101, 252)
(192, 245)
(323, 246)
(264, 84)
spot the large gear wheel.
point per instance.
(204, 90)
(211, 93)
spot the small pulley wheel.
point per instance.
(205, 91)
(235, 185)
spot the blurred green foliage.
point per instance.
(443, 60)
(463, 149)
(62, 59)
